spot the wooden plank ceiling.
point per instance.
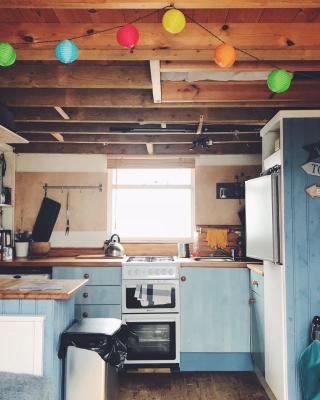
(118, 102)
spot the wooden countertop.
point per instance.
(258, 268)
(69, 288)
(107, 262)
(189, 262)
(62, 262)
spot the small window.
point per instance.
(152, 204)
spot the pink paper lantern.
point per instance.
(128, 36)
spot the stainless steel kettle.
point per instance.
(113, 247)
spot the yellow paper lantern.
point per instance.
(225, 55)
(173, 21)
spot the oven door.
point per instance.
(160, 296)
(155, 339)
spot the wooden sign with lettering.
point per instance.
(313, 191)
(312, 168)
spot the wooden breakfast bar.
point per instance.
(55, 306)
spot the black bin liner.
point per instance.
(105, 336)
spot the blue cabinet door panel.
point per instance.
(96, 275)
(98, 311)
(99, 295)
(257, 283)
(215, 311)
(257, 332)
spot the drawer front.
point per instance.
(96, 275)
(256, 283)
(98, 311)
(99, 295)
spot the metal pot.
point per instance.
(113, 247)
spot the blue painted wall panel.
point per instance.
(302, 242)
(59, 316)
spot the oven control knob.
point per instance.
(183, 279)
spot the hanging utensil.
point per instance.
(67, 215)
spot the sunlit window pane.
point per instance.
(152, 176)
(152, 213)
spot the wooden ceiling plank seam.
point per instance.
(158, 4)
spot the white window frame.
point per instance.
(110, 186)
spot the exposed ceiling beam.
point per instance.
(149, 148)
(62, 113)
(208, 66)
(140, 138)
(121, 98)
(105, 128)
(75, 76)
(307, 90)
(156, 80)
(57, 136)
(150, 4)
(136, 149)
(268, 41)
(155, 115)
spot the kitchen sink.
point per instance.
(213, 258)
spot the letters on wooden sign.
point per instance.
(312, 168)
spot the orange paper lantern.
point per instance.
(225, 55)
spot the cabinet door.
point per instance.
(215, 311)
(257, 331)
(96, 275)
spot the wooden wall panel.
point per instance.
(88, 208)
(209, 210)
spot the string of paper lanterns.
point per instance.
(174, 22)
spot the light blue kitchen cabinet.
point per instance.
(215, 319)
(257, 321)
(101, 297)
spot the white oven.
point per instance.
(155, 339)
(160, 296)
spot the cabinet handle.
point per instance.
(252, 301)
(85, 315)
(85, 295)
(255, 283)
(86, 276)
(183, 278)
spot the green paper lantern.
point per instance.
(7, 54)
(279, 80)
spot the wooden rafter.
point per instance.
(155, 115)
(136, 149)
(122, 98)
(156, 80)
(122, 138)
(75, 76)
(147, 4)
(246, 66)
(268, 41)
(237, 91)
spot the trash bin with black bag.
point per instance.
(94, 349)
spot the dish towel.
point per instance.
(153, 295)
(217, 238)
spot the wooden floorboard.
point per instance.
(191, 386)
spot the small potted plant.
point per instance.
(22, 240)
